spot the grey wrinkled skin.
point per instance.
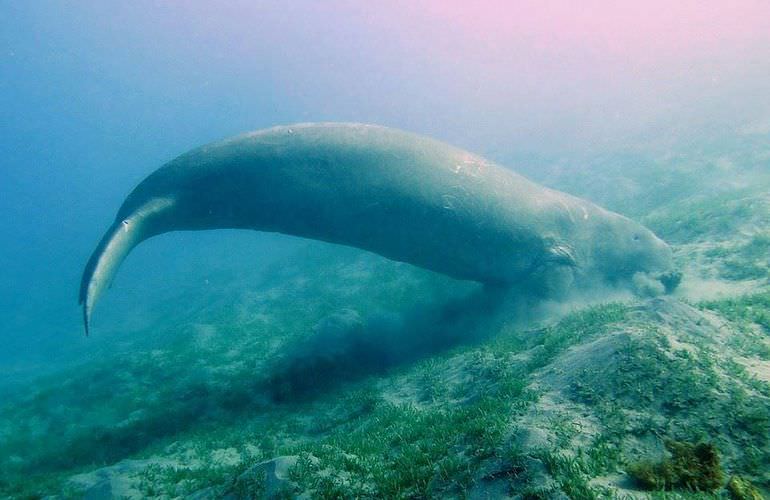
(397, 194)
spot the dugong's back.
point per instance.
(366, 186)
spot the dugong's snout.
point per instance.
(657, 272)
(662, 266)
(624, 251)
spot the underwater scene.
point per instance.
(427, 249)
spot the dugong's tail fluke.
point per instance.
(103, 264)
(115, 245)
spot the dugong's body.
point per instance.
(403, 196)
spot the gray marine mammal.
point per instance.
(404, 196)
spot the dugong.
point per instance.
(404, 196)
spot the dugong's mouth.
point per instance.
(653, 284)
(669, 279)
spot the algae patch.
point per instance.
(693, 467)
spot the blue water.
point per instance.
(95, 95)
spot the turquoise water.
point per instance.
(660, 114)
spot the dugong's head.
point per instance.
(623, 250)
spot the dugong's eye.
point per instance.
(636, 237)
